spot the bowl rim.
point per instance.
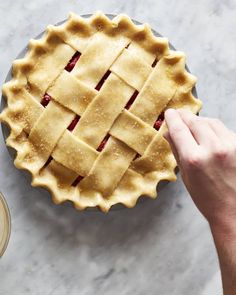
(5, 237)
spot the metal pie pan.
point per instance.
(5, 129)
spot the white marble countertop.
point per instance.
(160, 247)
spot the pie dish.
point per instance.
(85, 110)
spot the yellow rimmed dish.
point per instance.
(5, 225)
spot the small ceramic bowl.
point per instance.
(5, 225)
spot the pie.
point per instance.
(85, 110)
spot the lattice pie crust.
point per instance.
(85, 106)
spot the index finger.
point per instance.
(180, 134)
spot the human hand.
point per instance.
(205, 151)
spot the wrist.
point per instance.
(225, 228)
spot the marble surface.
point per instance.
(159, 247)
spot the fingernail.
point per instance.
(169, 111)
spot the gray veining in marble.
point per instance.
(159, 247)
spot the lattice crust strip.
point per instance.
(82, 105)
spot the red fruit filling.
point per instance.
(48, 161)
(101, 82)
(132, 99)
(159, 121)
(73, 61)
(73, 123)
(158, 124)
(46, 99)
(154, 63)
(77, 181)
(103, 143)
(137, 156)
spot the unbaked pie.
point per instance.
(85, 110)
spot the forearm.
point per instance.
(225, 241)
(205, 151)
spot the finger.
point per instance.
(180, 134)
(201, 131)
(168, 138)
(220, 129)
